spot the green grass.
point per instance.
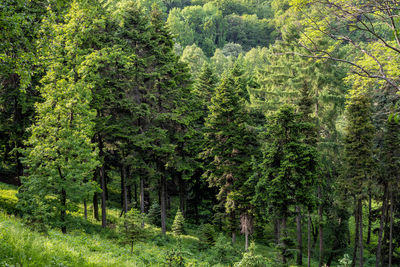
(87, 244)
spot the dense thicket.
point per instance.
(231, 114)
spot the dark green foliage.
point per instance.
(358, 143)
(178, 226)
(174, 257)
(206, 236)
(130, 227)
(154, 214)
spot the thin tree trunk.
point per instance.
(142, 199)
(63, 211)
(125, 191)
(233, 226)
(309, 240)
(356, 235)
(283, 241)
(299, 237)
(360, 231)
(246, 241)
(182, 194)
(95, 202)
(380, 233)
(135, 192)
(369, 216)
(85, 209)
(163, 205)
(320, 229)
(103, 199)
(277, 231)
(391, 227)
(103, 186)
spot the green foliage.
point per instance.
(194, 57)
(130, 226)
(345, 261)
(251, 259)
(178, 226)
(206, 236)
(154, 214)
(8, 199)
(174, 257)
(223, 251)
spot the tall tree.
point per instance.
(358, 154)
(60, 156)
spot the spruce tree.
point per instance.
(229, 146)
(359, 133)
(178, 226)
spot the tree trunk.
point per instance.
(182, 194)
(380, 233)
(95, 200)
(369, 216)
(356, 235)
(360, 231)
(103, 185)
(320, 229)
(124, 189)
(85, 209)
(299, 237)
(142, 198)
(135, 197)
(163, 205)
(277, 231)
(103, 199)
(246, 241)
(233, 226)
(284, 235)
(63, 211)
(309, 240)
(391, 226)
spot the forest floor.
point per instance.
(90, 245)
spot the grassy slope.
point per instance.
(20, 246)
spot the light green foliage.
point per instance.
(345, 261)
(194, 57)
(178, 226)
(202, 25)
(251, 259)
(60, 156)
(232, 50)
(221, 62)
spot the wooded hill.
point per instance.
(275, 119)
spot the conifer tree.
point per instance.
(288, 168)
(229, 145)
(178, 226)
(358, 165)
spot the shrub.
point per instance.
(250, 259)
(206, 236)
(178, 225)
(130, 227)
(175, 257)
(223, 251)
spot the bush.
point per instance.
(175, 257)
(130, 227)
(223, 251)
(8, 199)
(178, 225)
(250, 259)
(154, 215)
(206, 236)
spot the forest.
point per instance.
(200, 133)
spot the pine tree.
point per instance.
(358, 165)
(154, 214)
(178, 227)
